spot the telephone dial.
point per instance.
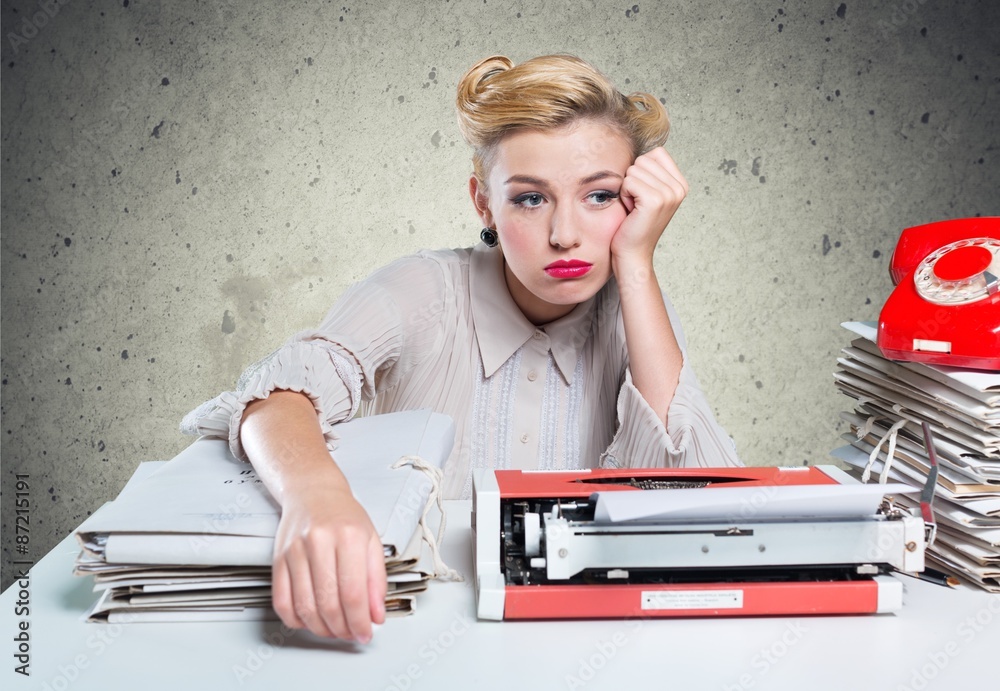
(945, 309)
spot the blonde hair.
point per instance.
(496, 98)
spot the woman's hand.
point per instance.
(328, 572)
(329, 568)
(652, 191)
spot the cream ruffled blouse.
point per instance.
(439, 330)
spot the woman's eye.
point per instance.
(528, 200)
(602, 197)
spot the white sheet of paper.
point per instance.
(192, 584)
(212, 509)
(741, 504)
(976, 380)
(984, 506)
(893, 376)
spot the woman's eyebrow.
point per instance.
(526, 179)
(594, 177)
(600, 175)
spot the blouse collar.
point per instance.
(501, 327)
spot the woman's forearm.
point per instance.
(655, 359)
(283, 440)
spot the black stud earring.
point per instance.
(489, 236)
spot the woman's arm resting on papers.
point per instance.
(329, 569)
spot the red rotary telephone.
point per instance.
(945, 309)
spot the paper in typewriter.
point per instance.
(201, 526)
(726, 503)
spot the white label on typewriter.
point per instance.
(692, 599)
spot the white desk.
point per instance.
(942, 639)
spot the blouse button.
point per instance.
(532, 376)
(538, 335)
(524, 438)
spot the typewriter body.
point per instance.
(716, 542)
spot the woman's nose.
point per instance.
(563, 231)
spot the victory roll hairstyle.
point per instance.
(496, 98)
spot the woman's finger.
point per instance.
(351, 606)
(377, 585)
(304, 598)
(281, 595)
(661, 158)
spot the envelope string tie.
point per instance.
(441, 570)
(867, 428)
(890, 453)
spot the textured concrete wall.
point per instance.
(186, 184)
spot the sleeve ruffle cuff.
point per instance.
(691, 437)
(315, 368)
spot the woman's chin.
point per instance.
(569, 294)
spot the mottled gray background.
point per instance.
(186, 184)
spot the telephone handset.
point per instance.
(945, 309)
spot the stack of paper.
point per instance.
(193, 539)
(962, 407)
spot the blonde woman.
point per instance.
(549, 343)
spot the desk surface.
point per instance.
(942, 639)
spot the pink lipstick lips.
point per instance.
(568, 268)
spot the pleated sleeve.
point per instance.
(368, 341)
(691, 438)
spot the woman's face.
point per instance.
(553, 198)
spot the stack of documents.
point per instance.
(962, 407)
(193, 539)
